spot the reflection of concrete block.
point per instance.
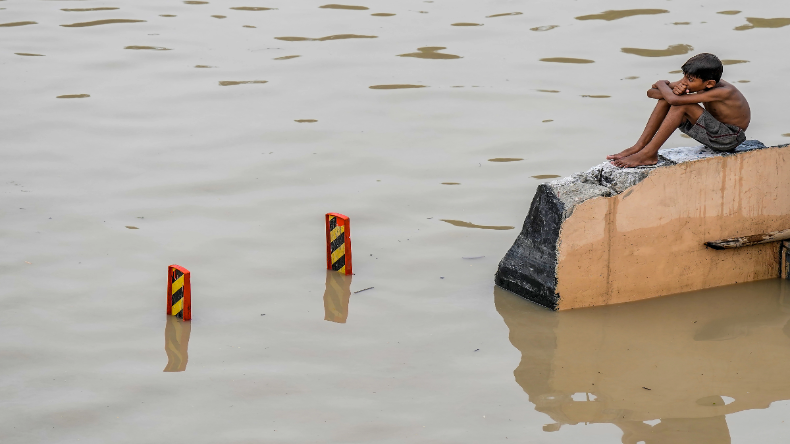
(611, 235)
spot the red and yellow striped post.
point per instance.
(179, 292)
(338, 243)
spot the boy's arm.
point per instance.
(667, 94)
(678, 88)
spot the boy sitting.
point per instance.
(719, 126)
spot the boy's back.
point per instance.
(732, 108)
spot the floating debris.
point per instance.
(364, 289)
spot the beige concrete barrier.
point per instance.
(613, 235)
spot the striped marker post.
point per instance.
(179, 292)
(338, 243)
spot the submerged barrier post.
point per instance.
(179, 292)
(338, 243)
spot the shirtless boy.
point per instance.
(719, 126)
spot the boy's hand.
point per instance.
(681, 88)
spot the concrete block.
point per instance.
(610, 235)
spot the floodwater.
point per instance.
(117, 163)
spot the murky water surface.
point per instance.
(229, 171)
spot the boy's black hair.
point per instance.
(704, 66)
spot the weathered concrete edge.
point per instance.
(562, 196)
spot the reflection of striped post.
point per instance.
(179, 292)
(177, 344)
(338, 243)
(336, 297)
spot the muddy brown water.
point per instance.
(220, 173)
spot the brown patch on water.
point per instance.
(240, 82)
(204, 66)
(349, 7)
(631, 78)
(287, 57)
(88, 9)
(219, 16)
(466, 24)
(73, 96)
(554, 91)
(451, 183)
(544, 28)
(595, 96)
(545, 176)
(13, 24)
(733, 62)
(249, 26)
(327, 38)
(167, 15)
(397, 86)
(430, 52)
(194, 2)
(460, 223)
(547, 120)
(672, 50)
(506, 159)
(566, 60)
(306, 121)
(764, 23)
(27, 54)
(677, 71)
(504, 14)
(729, 12)
(132, 227)
(151, 48)
(786, 135)
(382, 14)
(682, 23)
(744, 81)
(101, 22)
(621, 13)
(252, 8)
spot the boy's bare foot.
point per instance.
(625, 153)
(635, 160)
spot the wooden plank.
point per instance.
(755, 239)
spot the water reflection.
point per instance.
(397, 86)
(622, 13)
(13, 24)
(666, 370)
(755, 22)
(101, 22)
(336, 297)
(177, 344)
(350, 7)
(88, 9)
(503, 14)
(430, 52)
(460, 223)
(670, 51)
(327, 38)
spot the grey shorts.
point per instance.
(712, 133)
